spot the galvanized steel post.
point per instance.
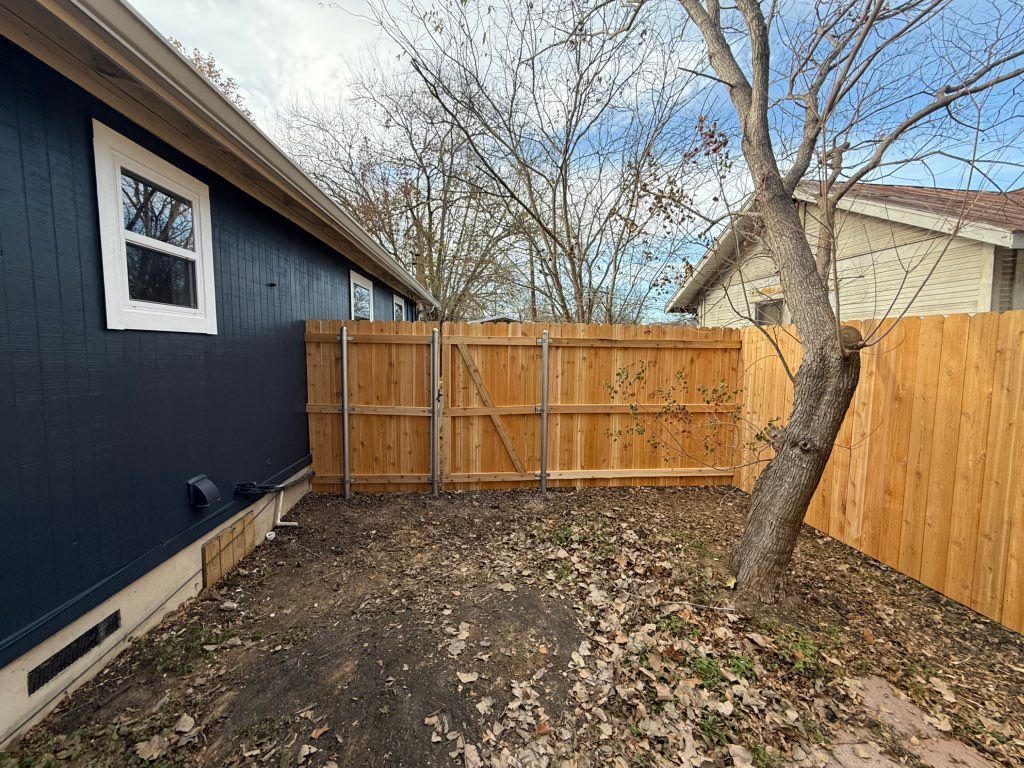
(346, 476)
(435, 413)
(544, 342)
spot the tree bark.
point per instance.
(824, 388)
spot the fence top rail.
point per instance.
(529, 341)
(371, 338)
(584, 341)
(582, 329)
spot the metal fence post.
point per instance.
(346, 476)
(544, 342)
(435, 413)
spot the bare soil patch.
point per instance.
(587, 628)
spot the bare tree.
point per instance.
(591, 144)
(605, 127)
(834, 92)
(390, 157)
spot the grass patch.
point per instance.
(713, 728)
(560, 536)
(708, 671)
(178, 653)
(742, 666)
(676, 626)
(762, 757)
(804, 654)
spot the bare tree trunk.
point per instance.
(824, 388)
(830, 369)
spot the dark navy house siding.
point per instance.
(99, 429)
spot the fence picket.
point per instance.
(925, 472)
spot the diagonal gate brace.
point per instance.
(499, 425)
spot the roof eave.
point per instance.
(148, 76)
(933, 222)
(685, 297)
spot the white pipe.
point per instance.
(278, 510)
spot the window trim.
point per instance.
(114, 152)
(354, 279)
(396, 302)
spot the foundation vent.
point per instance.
(72, 652)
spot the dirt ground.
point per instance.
(587, 628)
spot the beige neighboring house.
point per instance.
(957, 250)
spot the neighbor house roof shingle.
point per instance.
(998, 209)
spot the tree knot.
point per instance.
(850, 337)
(805, 446)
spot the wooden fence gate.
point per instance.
(411, 406)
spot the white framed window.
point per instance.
(398, 307)
(361, 295)
(155, 238)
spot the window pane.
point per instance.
(399, 311)
(361, 299)
(161, 278)
(156, 213)
(768, 312)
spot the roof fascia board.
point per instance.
(724, 245)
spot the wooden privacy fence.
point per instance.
(926, 475)
(387, 431)
(509, 405)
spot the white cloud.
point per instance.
(275, 49)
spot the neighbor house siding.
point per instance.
(101, 429)
(736, 289)
(882, 266)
